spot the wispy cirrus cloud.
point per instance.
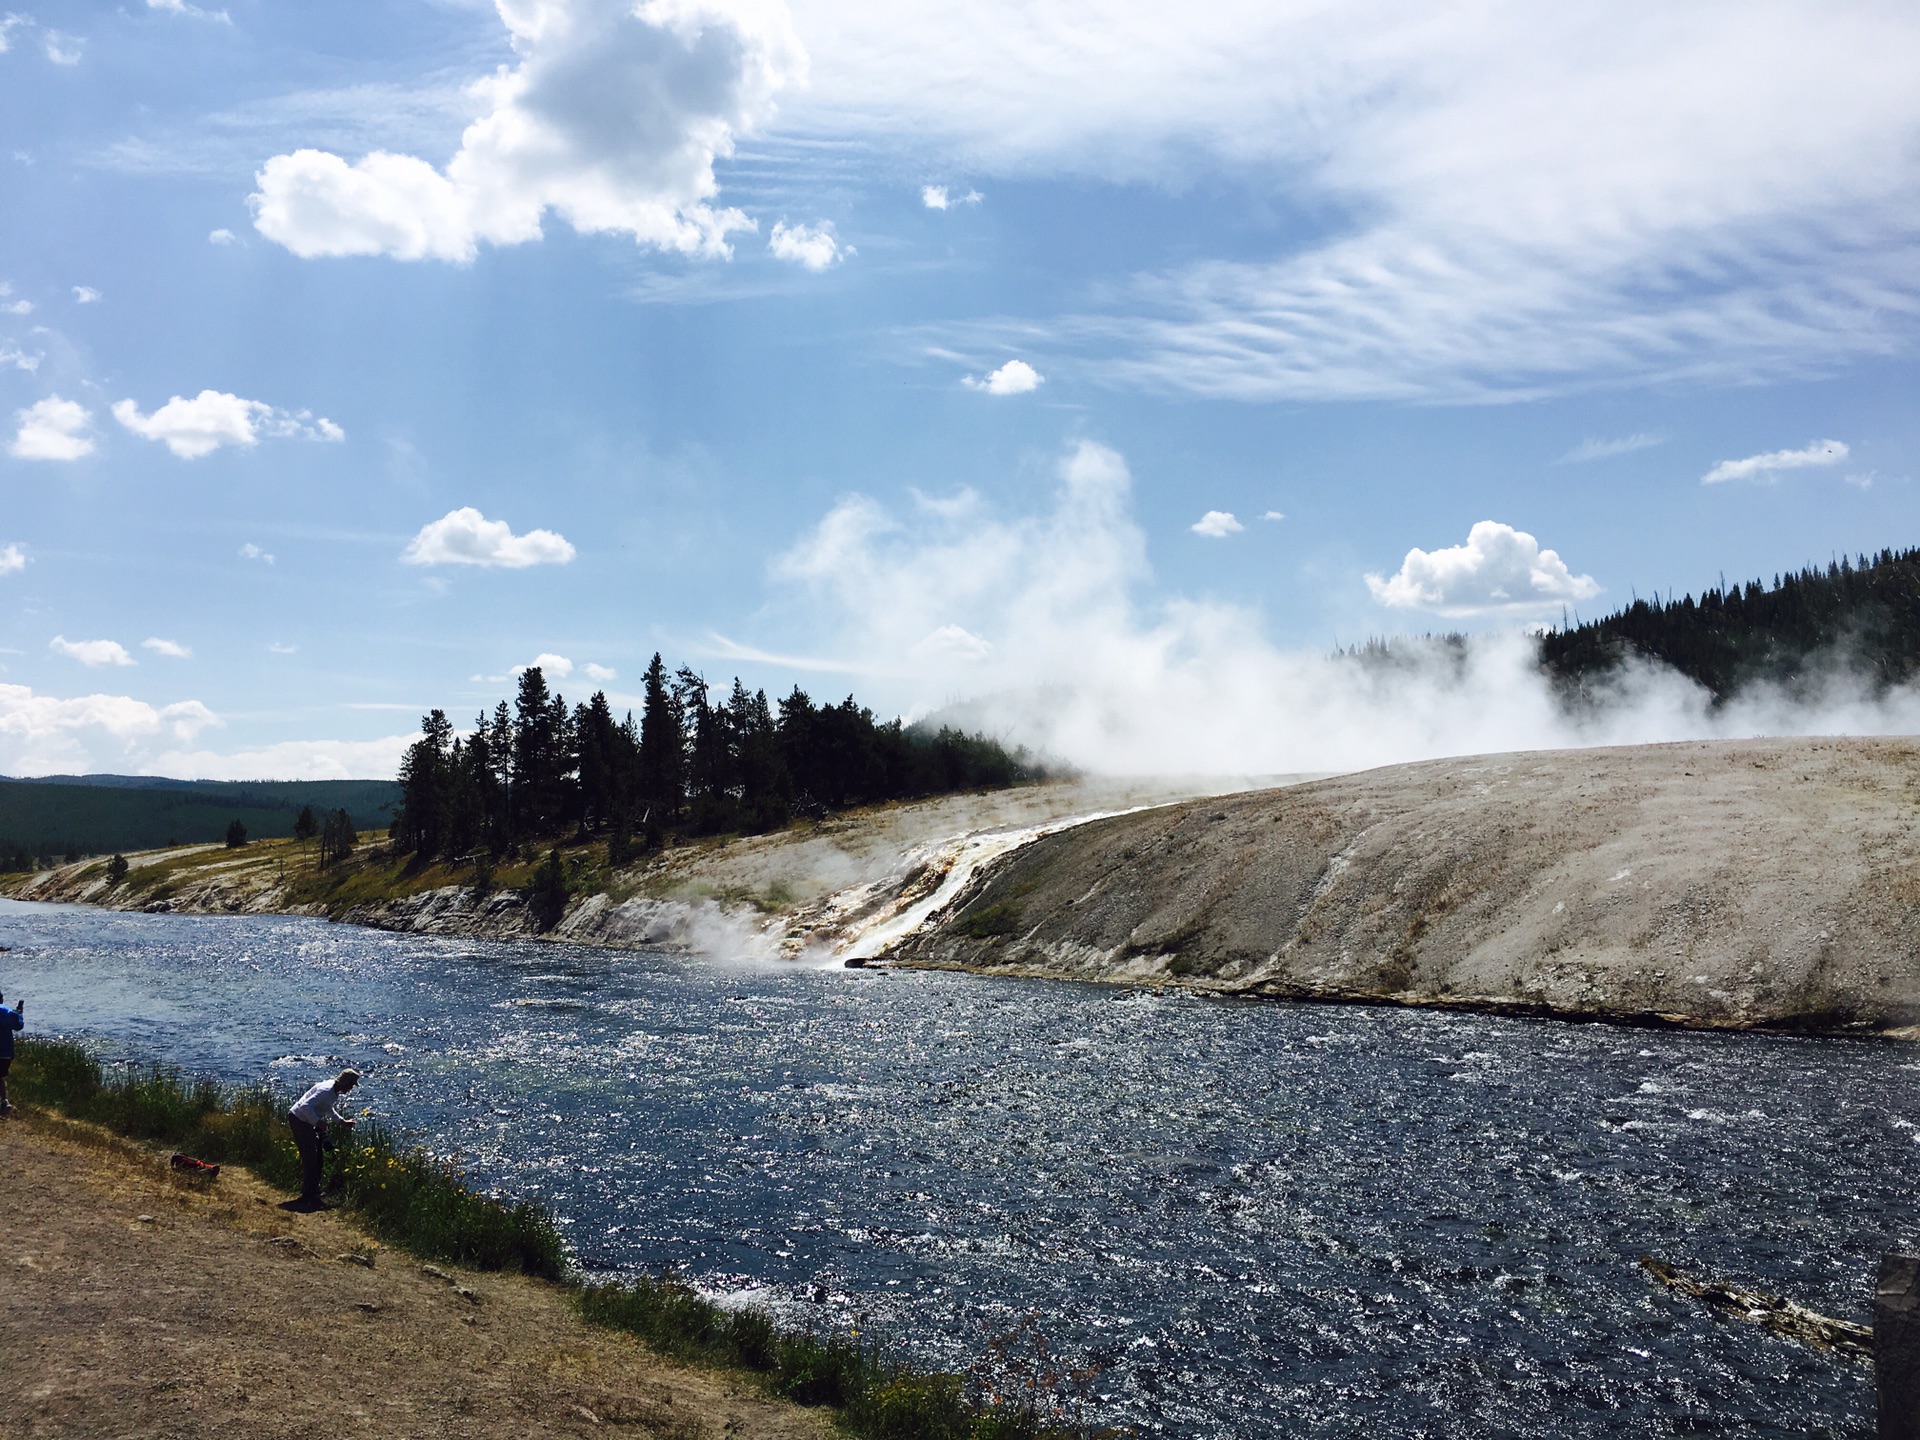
(1510, 201)
(1591, 449)
(1818, 454)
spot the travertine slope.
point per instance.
(1740, 883)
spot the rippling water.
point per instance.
(1260, 1219)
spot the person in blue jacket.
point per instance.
(10, 1021)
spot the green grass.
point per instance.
(877, 1396)
(422, 1205)
(406, 1197)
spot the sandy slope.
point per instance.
(1735, 883)
(137, 1306)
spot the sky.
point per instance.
(1093, 368)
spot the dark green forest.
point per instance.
(98, 815)
(693, 763)
(1861, 614)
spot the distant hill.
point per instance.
(1861, 614)
(101, 814)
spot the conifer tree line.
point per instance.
(695, 762)
(1863, 613)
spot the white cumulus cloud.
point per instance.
(63, 49)
(466, 537)
(85, 295)
(601, 672)
(612, 118)
(810, 245)
(287, 760)
(91, 652)
(172, 649)
(222, 236)
(12, 560)
(1499, 571)
(551, 666)
(1016, 377)
(1820, 452)
(939, 197)
(212, 419)
(52, 429)
(48, 735)
(1217, 525)
(251, 551)
(954, 642)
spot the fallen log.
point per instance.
(1770, 1312)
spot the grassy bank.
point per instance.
(403, 1196)
(421, 1205)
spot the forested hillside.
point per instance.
(87, 815)
(693, 763)
(1864, 614)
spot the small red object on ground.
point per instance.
(193, 1166)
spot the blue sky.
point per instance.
(353, 357)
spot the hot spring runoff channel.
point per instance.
(1259, 1219)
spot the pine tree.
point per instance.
(535, 758)
(663, 743)
(422, 825)
(337, 838)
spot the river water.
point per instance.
(1259, 1220)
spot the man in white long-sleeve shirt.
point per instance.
(310, 1116)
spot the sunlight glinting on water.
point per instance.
(1258, 1219)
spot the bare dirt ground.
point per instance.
(135, 1306)
(1734, 883)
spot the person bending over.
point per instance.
(10, 1021)
(310, 1116)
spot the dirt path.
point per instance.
(135, 1306)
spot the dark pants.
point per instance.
(306, 1139)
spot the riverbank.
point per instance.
(1762, 884)
(422, 1206)
(137, 1304)
(818, 887)
(1755, 884)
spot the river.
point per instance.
(1257, 1219)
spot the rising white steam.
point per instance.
(1061, 655)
